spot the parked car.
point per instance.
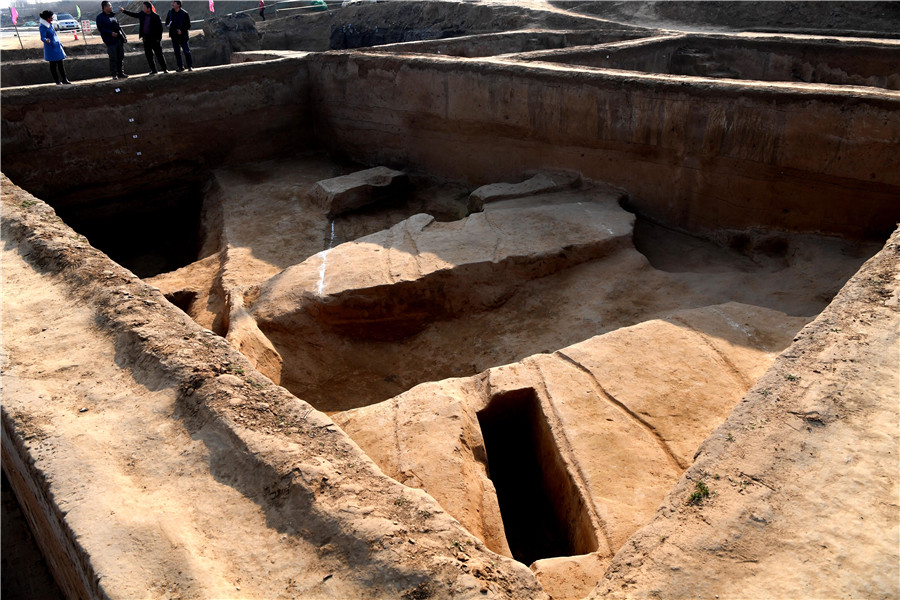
(66, 22)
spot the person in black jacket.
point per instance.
(114, 38)
(150, 30)
(179, 24)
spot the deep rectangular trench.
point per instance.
(148, 233)
(543, 512)
(473, 122)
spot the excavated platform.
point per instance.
(618, 333)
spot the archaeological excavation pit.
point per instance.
(455, 317)
(148, 233)
(544, 515)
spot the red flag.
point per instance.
(14, 13)
(212, 6)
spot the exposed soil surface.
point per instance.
(532, 395)
(156, 465)
(132, 451)
(184, 507)
(341, 367)
(269, 224)
(785, 470)
(363, 24)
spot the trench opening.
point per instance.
(543, 512)
(183, 299)
(147, 233)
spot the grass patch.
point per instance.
(234, 369)
(701, 492)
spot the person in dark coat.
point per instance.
(53, 50)
(114, 38)
(150, 29)
(179, 24)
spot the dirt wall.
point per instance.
(113, 138)
(762, 58)
(695, 154)
(493, 44)
(78, 67)
(795, 474)
(699, 155)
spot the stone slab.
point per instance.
(342, 194)
(391, 284)
(542, 183)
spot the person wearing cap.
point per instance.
(150, 30)
(179, 22)
(114, 38)
(53, 49)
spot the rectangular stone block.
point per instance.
(349, 192)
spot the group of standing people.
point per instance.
(150, 30)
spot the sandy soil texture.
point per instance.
(152, 377)
(526, 392)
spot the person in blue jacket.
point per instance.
(114, 38)
(53, 50)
